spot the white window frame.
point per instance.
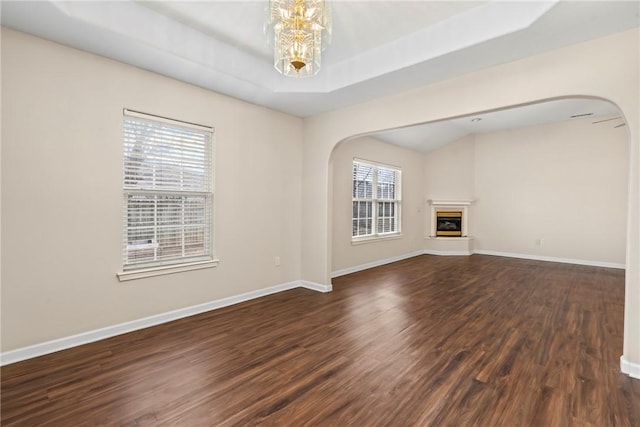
(195, 190)
(376, 200)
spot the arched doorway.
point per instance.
(569, 154)
(606, 68)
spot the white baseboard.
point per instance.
(372, 264)
(552, 259)
(446, 253)
(316, 286)
(378, 263)
(629, 368)
(41, 349)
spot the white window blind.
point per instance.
(376, 200)
(168, 191)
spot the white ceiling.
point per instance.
(429, 136)
(379, 47)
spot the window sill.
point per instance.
(372, 239)
(162, 270)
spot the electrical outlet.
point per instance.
(276, 261)
(539, 242)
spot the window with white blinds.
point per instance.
(376, 200)
(168, 192)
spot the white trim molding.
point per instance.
(629, 368)
(460, 202)
(41, 349)
(316, 286)
(372, 264)
(552, 259)
(376, 238)
(378, 263)
(454, 205)
(162, 270)
(447, 253)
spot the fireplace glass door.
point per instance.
(449, 224)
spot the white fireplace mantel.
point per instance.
(441, 204)
(452, 203)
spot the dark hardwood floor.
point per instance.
(429, 341)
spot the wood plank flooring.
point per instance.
(428, 341)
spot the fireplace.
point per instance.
(449, 232)
(450, 219)
(449, 223)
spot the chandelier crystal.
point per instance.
(299, 31)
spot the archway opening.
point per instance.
(544, 180)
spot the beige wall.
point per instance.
(449, 171)
(607, 68)
(449, 175)
(564, 183)
(61, 226)
(62, 192)
(345, 254)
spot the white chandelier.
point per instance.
(300, 30)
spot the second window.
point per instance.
(376, 197)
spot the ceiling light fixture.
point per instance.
(299, 30)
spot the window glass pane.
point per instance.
(140, 212)
(169, 242)
(362, 218)
(362, 181)
(386, 183)
(168, 182)
(380, 185)
(194, 241)
(387, 221)
(163, 156)
(166, 227)
(364, 227)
